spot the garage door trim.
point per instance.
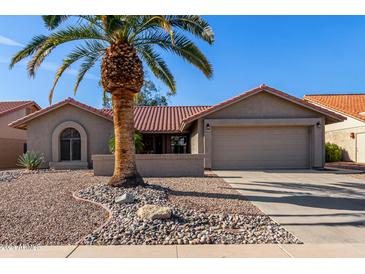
(314, 125)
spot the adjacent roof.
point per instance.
(166, 119)
(348, 104)
(146, 119)
(262, 88)
(6, 107)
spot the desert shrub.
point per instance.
(333, 153)
(137, 142)
(30, 160)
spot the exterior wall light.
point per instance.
(318, 124)
(207, 126)
(352, 135)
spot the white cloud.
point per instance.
(9, 42)
(52, 67)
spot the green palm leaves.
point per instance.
(147, 34)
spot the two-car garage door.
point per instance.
(260, 147)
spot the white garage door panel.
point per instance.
(260, 147)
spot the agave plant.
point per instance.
(31, 160)
(123, 44)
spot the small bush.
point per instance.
(30, 160)
(138, 142)
(333, 153)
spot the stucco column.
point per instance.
(208, 145)
(318, 144)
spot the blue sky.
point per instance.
(296, 54)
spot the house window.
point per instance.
(70, 143)
(179, 144)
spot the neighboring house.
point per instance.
(13, 141)
(262, 128)
(350, 133)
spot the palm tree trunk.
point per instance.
(125, 170)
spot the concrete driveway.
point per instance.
(316, 206)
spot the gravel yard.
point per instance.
(205, 211)
(38, 209)
(209, 194)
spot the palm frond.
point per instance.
(28, 50)
(182, 46)
(53, 21)
(86, 66)
(157, 66)
(193, 24)
(90, 49)
(69, 34)
(154, 23)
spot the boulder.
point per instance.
(152, 212)
(126, 198)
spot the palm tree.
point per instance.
(121, 43)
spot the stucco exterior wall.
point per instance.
(264, 106)
(9, 132)
(340, 134)
(11, 140)
(10, 150)
(342, 137)
(40, 131)
(194, 138)
(156, 165)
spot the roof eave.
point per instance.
(328, 114)
(22, 122)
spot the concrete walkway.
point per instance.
(318, 207)
(192, 251)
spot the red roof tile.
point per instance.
(348, 104)
(6, 107)
(161, 118)
(172, 118)
(21, 123)
(146, 118)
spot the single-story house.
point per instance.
(13, 142)
(350, 133)
(263, 128)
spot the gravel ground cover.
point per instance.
(205, 211)
(9, 175)
(38, 209)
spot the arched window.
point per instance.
(70, 143)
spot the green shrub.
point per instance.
(137, 142)
(333, 153)
(30, 160)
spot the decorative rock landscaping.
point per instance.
(9, 175)
(186, 225)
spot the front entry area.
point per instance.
(264, 147)
(70, 142)
(69, 146)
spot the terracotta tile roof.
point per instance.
(348, 104)
(161, 118)
(146, 119)
(254, 91)
(21, 123)
(6, 107)
(173, 118)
